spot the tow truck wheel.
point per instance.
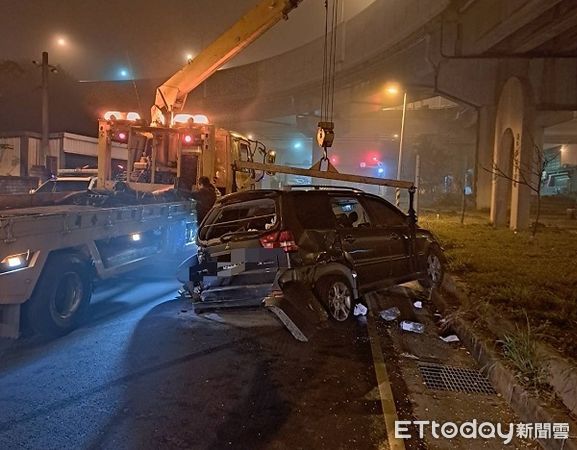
(434, 269)
(337, 296)
(61, 297)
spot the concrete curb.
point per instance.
(562, 373)
(529, 408)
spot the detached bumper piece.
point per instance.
(298, 309)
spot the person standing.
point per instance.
(205, 197)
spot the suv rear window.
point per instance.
(242, 217)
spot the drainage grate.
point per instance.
(457, 379)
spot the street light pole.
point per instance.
(401, 139)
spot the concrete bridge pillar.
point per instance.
(484, 157)
(513, 156)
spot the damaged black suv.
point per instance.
(339, 242)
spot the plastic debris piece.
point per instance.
(409, 356)
(390, 314)
(418, 304)
(414, 327)
(215, 317)
(360, 310)
(450, 338)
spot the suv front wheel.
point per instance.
(337, 296)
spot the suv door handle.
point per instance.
(350, 238)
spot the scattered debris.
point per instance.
(184, 294)
(414, 327)
(360, 310)
(409, 356)
(418, 304)
(390, 314)
(450, 338)
(214, 317)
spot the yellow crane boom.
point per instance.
(171, 96)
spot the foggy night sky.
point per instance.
(148, 38)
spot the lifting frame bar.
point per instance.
(239, 165)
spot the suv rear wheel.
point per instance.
(337, 296)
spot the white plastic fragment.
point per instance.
(418, 304)
(390, 314)
(414, 327)
(360, 310)
(450, 338)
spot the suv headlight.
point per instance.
(15, 262)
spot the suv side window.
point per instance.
(349, 212)
(312, 210)
(384, 214)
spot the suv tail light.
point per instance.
(280, 239)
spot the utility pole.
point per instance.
(45, 140)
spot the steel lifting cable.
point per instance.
(324, 93)
(329, 70)
(329, 61)
(333, 58)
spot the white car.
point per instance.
(66, 184)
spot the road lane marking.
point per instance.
(384, 385)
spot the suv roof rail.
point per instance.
(320, 187)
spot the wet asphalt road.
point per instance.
(146, 372)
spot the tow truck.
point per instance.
(55, 245)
